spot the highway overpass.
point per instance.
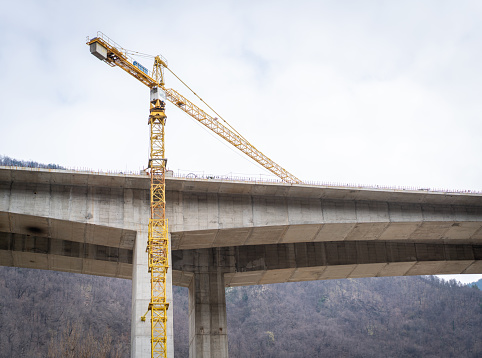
(230, 233)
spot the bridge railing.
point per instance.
(247, 179)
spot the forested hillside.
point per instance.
(48, 313)
(54, 314)
(10, 162)
(372, 317)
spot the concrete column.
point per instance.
(141, 295)
(170, 311)
(208, 336)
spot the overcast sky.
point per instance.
(362, 92)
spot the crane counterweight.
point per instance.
(98, 51)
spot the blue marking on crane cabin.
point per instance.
(140, 67)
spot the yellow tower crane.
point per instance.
(114, 55)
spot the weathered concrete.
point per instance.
(230, 234)
(216, 220)
(141, 293)
(208, 334)
(262, 264)
(46, 253)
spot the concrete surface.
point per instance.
(208, 334)
(276, 263)
(229, 234)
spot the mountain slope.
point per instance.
(45, 312)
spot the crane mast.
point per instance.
(111, 53)
(158, 244)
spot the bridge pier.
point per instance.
(141, 295)
(208, 336)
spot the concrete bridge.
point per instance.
(227, 233)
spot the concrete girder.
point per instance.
(115, 207)
(74, 231)
(20, 250)
(425, 231)
(263, 264)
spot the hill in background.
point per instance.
(10, 162)
(47, 313)
(478, 284)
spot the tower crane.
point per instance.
(113, 54)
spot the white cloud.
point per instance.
(375, 93)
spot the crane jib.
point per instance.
(140, 67)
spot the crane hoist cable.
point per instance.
(219, 116)
(189, 88)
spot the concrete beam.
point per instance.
(48, 197)
(238, 188)
(262, 264)
(217, 220)
(20, 250)
(82, 232)
(418, 231)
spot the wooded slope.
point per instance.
(54, 314)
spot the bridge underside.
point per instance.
(20, 250)
(446, 231)
(253, 264)
(277, 263)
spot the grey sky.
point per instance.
(372, 92)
